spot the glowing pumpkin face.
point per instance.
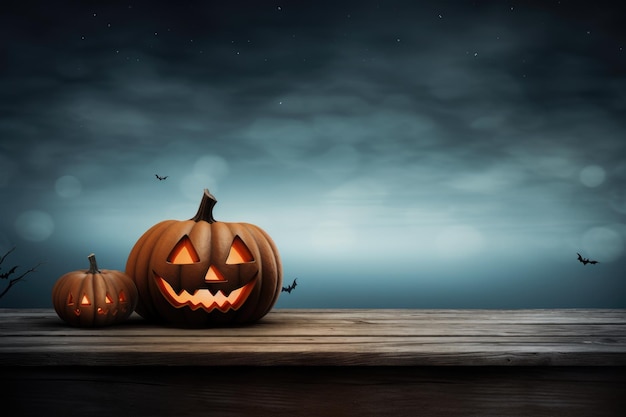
(201, 272)
(94, 297)
(214, 290)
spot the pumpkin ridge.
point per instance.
(99, 283)
(85, 287)
(248, 235)
(276, 266)
(141, 250)
(61, 289)
(151, 243)
(157, 248)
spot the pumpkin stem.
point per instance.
(93, 266)
(205, 211)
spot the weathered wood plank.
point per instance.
(330, 337)
(315, 391)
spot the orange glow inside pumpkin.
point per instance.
(183, 253)
(213, 275)
(85, 301)
(239, 253)
(122, 297)
(204, 299)
(108, 299)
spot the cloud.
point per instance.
(207, 172)
(34, 225)
(494, 180)
(459, 241)
(604, 242)
(67, 186)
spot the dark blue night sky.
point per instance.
(402, 154)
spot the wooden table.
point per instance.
(323, 363)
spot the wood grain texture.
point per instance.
(569, 337)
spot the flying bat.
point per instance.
(585, 261)
(290, 288)
(161, 178)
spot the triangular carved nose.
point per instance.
(213, 275)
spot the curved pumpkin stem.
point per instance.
(205, 211)
(93, 266)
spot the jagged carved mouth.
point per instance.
(204, 298)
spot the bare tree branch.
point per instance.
(6, 254)
(15, 280)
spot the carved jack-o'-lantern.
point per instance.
(201, 272)
(94, 297)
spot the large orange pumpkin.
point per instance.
(201, 272)
(94, 297)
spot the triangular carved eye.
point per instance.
(239, 253)
(183, 252)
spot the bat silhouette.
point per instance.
(161, 178)
(585, 261)
(290, 288)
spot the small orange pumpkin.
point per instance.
(93, 297)
(202, 272)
